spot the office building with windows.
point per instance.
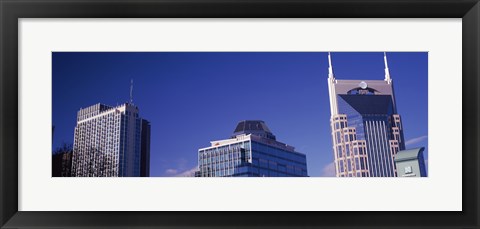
(62, 164)
(62, 159)
(145, 149)
(252, 151)
(108, 142)
(366, 128)
(410, 163)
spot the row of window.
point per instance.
(380, 156)
(249, 171)
(279, 154)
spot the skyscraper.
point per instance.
(252, 151)
(366, 128)
(108, 142)
(145, 149)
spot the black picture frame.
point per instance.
(12, 10)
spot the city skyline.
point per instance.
(197, 97)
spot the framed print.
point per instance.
(239, 114)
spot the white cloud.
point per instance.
(179, 168)
(171, 172)
(415, 140)
(188, 173)
(328, 170)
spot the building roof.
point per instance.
(410, 154)
(369, 104)
(255, 131)
(248, 125)
(343, 86)
(255, 127)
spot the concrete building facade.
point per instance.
(108, 141)
(411, 163)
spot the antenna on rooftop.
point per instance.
(131, 91)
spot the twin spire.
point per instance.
(387, 71)
(330, 73)
(330, 68)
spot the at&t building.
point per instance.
(366, 128)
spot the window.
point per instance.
(272, 165)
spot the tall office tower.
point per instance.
(145, 149)
(366, 128)
(108, 142)
(252, 151)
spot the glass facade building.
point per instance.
(366, 128)
(252, 151)
(108, 142)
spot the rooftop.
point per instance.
(255, 127)
(369, 104)
(410, 154)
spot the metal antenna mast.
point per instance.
(131, 91)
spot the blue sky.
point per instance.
(192, 98)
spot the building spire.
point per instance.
(131, 91)
(331, 87)
(387, 71)
(330, 68)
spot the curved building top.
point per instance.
(255, 127)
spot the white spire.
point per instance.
(331, 87)
(330, 68)
(387, 71)
(131, 91)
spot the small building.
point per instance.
(252, 151)
(410, 163)
(62, 163)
